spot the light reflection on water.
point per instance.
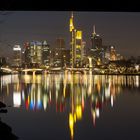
(38, 92)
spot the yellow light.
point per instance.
(94, 116)
(98, 87)
(45, 102)
(71, 120)
(74, 117)
(98, 61)
(27, 78)
(79, 112)
(71, 125)
(28, 99)
(78, 56)
(79, 35)
(78, 46)
(71, 25)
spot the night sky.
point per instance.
(120, 29)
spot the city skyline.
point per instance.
(69, 75)
(120, 29)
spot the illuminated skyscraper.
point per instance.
(27, 53)
(72, 43)
(36, 52)
(17, 55)
(46, 53)
(76, 45)
(97, 50)
(113, 55)
(96, 40)
(78, 49)
(58, 52)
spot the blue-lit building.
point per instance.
(37, 53)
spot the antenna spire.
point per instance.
(72, 14)
(94, 29)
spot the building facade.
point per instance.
(76, 45)
(37, 53)
(96, 40)
(58, 52)
(46, 53)
(113, 55)
(97, 50)
(17, 56)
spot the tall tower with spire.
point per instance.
(93, 37)
(71, 22)
(94, 30)
(72, 42)
(76, 44)
(96, 45)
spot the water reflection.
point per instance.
(72, 92)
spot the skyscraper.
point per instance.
(72, 43)
(113, 55)
(96, 40)
(2, 61)
(27, 53)
(76, 45)
(97, 50)
(58, 52)
(46, 53)
(36, 52)
(78, 49)
(60, 43)
(17, 56)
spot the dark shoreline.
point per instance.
(5, 130)
(126, 74)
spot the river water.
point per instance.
(72, 106)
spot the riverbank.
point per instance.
(4, 73)
(72, 72)
(5, 130)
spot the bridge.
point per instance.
(78, 70)
(7, 70)
(32, 71)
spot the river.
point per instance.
(72, 106)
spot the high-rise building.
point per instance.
(37, 53)
(78, 49)
(113, 55)
(2, 61)
(27, 53)
(46, 53)
(83, 49)
(76, 45)
(72, 42)
(66, 58)
(96, 40)
(58, 52)
(17, 56)
(97, 50)
(60, 43)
